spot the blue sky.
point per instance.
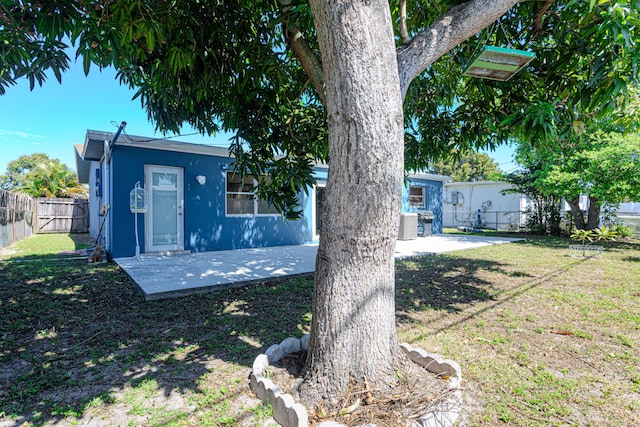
(52, 118)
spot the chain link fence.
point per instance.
(629, 219)
(493, 220)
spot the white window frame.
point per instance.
(256, 201)
(422, 205)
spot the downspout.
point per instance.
(108, 185)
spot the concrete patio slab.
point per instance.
(167, 276)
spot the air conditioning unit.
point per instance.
(408, 226)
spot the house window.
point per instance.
(241, 199)
(417, 197)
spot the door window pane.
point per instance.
(165, 208)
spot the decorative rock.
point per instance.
(304, 342)
(434, 364)
(446, 414)
(298, 416)
(290, 414)
(261, 363)
(262, 387)
(289, 345)
(273, 394)
(281, 408)
(253, 382)
(274, 353)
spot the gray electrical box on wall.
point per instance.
(457, 198)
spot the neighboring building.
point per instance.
(629, 208)
(467, 203)
(194, 201)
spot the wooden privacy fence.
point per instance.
(22, 216)
(16, 217)
(62, 215)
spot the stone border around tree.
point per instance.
(288, 413)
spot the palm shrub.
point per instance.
(622, 230)
(604, 234)
(598, 234)
(582, 235)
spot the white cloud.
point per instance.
(6, 133)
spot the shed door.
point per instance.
(164, 221)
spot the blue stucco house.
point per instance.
(194, 202)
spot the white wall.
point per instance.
(496, 210)
(629, 207)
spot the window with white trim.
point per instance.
(417, 197)
(241, 198)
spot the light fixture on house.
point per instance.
(202, 180)
(498, 63)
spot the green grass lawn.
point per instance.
(543, 337)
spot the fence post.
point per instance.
(13, 221)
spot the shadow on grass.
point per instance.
(440, 283)
(452, 284)
(73, 334)
(445, 283)
(76, 336)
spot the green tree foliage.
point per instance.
(544, 213)
(244, 67)
(557, 128)
(605, 166)
(39, 176)
(15, 175)
(586, 67)
(474, 166)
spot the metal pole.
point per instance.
(137, 242)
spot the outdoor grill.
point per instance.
(425, 223)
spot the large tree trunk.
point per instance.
(353, 328)
(576, 212)
(593, 214)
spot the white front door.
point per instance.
(164, 221)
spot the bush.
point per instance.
(622, 230)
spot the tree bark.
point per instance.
(353, 327)
(593, 214)
(308, 60)
(353, 335)
(576, 212)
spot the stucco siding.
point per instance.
(206, 227)
(433, 200)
